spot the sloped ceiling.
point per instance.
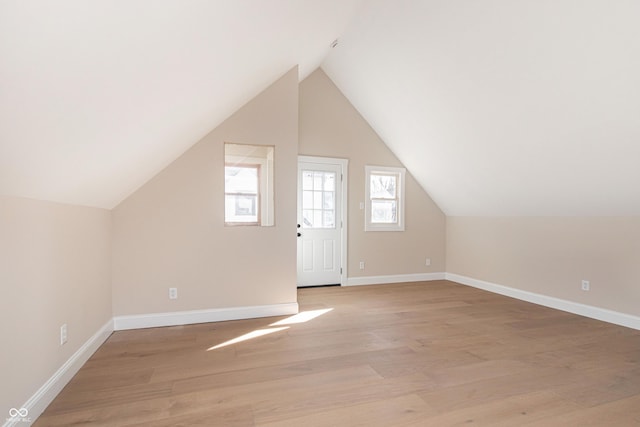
(503, 107)
(497, 107)
(97, 96)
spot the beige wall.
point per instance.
(551, 256)
(80, 266)
(171, 233)
(331, 127)
(54, 269)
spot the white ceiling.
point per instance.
(97, 96)
(497, 107)
(503, 107)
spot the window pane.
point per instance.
(317, 199)
(241, 208)
(239, 179)
(383, 186)
(329, 219)
(317, 218)
(307, 218)
(317, 180)
(328, 201)
(307, 200)
(307, 180)
(245, 206)
(329, 181)
(383, 211)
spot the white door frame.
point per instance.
(344, 168)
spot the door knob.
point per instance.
(299, 234)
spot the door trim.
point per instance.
(344, 170)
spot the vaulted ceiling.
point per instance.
(98, 96)
(503, 107)
(497, 107)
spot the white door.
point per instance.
(319, 222)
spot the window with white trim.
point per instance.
(242, 194)
(248, 184)
(384, 205)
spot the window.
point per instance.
(248, 184)
(318, 199)
(385, 198)
(242, 194)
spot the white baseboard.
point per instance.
(597, 313)
(45, 394)
(155, 320)
(398, 278)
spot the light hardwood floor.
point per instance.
(418, 354)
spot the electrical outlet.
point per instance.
(173, 293)
(361, 265)
(586, 285)
(428, 262)
(63, 334)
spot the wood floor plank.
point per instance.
(511, 411)
(397, 411)
(473, 393)
(622, 412)
(412, 354)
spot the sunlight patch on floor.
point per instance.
(254, 334)
(302, 317)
